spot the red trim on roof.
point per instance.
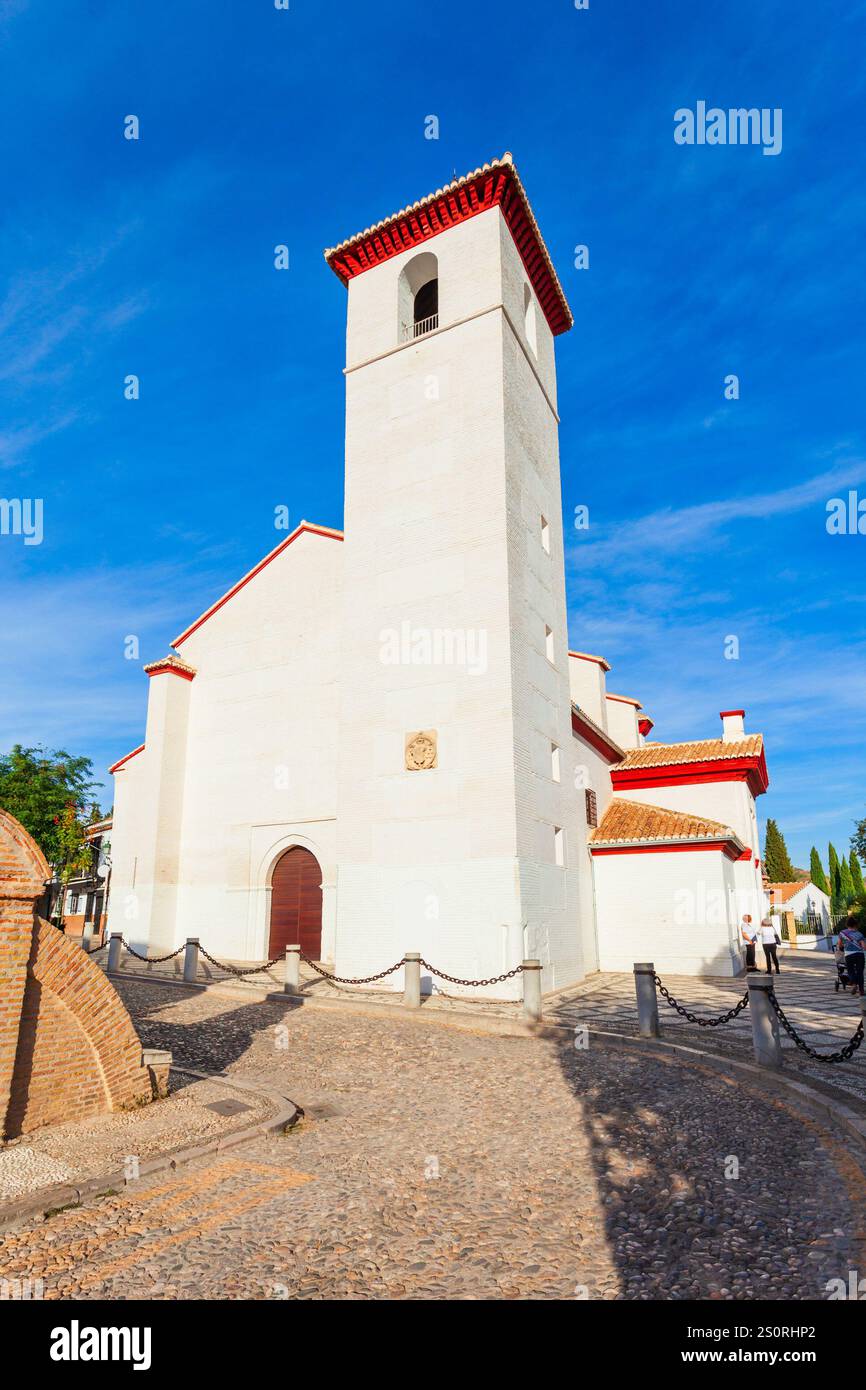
(595, 738)
(585, 656)
(159, 668)
(725, 712)
(645, 724)
(133, 754)
(752, 770)
(494, 186)
(725, 846)
(746, 854)
(278, 550)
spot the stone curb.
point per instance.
(51, 1199)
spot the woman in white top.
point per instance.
(769, 941)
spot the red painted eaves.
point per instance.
(121, 761)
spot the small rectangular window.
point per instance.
(554, 762)
(591, 807)
(548, 643)
(545, 535)
(558, 846)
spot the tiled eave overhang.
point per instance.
(752, 770)
(495, 185)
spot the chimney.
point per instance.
(733, 727)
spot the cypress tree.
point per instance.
(856, 874)
(816, 872)
(835, 878)
(846, 883)
(776, 859)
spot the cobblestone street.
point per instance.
(444, 1163)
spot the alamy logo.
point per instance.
(434, 646)
(22, 516)
(736, 126)
(77, 1343)
(846, 516)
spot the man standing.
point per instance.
(748, 937)
(769, 941)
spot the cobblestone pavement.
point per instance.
(824, 1018)
(443, 1163)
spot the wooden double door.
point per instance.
(296, 904)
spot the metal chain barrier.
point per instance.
(343, 980)
(452, 979)
(97, 949)
(150, 960)
(694, 1018)
(843, 1055)
(233, 969)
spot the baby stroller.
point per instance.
(843, 979)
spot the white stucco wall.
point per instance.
(622, 722)
(675, 909)
(587, 687)
(257, 762)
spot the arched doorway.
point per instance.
(296, 904)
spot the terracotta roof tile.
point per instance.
(637, 822)
(782, 892)
(705, 750)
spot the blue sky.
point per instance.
(258, 126)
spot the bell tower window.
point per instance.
(418, 296)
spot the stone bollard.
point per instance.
(532, 990)
(647, 999)
(190, 960)
(114, 947)
(87, 936)
(293, 970)
(412, 980)
(765, 1023)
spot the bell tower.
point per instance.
(457, 807)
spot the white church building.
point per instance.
(378, 740)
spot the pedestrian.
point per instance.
(853, 943)
(769, 941)
(748, 936)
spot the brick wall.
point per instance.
(67, 1045)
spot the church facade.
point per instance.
(378, 740)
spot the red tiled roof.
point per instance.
(496, 184)
(637, 822)
(704, 751)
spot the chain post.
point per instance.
(115, 946)
(412, 980)
(647, 999)
(765, 1023)
(293, 970)
(532, 990)
(190, 960)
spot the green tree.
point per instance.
(846, 883)
(858, 839)
(835, 878)
(776, 859)
(816, 872)
(856, 874)
(49, 793)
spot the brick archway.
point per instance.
(67, 1045)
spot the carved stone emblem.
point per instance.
(421, 750)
